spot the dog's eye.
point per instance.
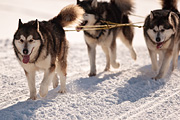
(30, 41)
(154, 31)
(21, 41)
(162, 30)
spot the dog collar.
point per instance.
(159, 45)
(93, 36)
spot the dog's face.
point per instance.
(27, 40)
(91, 15)
(161, 28)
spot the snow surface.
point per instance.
(124, 93)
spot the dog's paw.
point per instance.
(133, 55)
(92, 74)
(157, 78)
(32, 98)
(43, 91)
(116, 65)
(62, 91)
(107, 69)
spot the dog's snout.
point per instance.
(158, 39)
(25, 51)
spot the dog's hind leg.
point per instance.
(48, 76)
(61, 70)
(106, 51)
(31, 83)
(126, 36)
(112, 53)
(62, 66)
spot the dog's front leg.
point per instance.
(31, 83)
(48, 76)
(106, 51)
(153, 56)
(92, 59)
(175, 56)
(165, 65)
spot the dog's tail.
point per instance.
(169, 5)
(125, 6)
(70, 14)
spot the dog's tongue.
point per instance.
(159, 45)
(26, 59)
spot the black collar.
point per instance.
(93, 36)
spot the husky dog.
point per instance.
(43, 46)
(116, 11)
(161, 32)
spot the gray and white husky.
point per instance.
(116, 11)
(162, 33)
(43, 46)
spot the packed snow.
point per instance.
(120, 94)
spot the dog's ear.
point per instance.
(78, 1)
(36, 25)
(94, 3)
(173, 18)
(151, 16)
(20, 23)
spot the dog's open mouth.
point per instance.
(159, 45)
(26, 58)
(79, 28)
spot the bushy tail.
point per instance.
(70, 14)
(124, 5)
(169, 5)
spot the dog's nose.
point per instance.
(25, 51)
(158, 39)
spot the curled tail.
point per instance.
(169, 5)
(70, 14)
(125, 6)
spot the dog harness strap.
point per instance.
(92, 36)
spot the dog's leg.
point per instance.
(154, 62)
(92, 58)
(126, 36)
(106, 51)
(165, 65)
(161, 57)
(61, 70)
(175, 56)
(112, 53)
(31, 83)
(48, 76)
(55, 81)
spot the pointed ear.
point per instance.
(94, 3)
(173, 18)
(20, 23)
(36, 25)
(151, 16)
(78, 1)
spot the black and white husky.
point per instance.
(162, 34)
(43, 46)
(116, 11)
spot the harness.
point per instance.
(93, 36)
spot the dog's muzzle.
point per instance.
(26, 57)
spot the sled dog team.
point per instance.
(42, 45)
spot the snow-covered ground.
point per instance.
(124, 93)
